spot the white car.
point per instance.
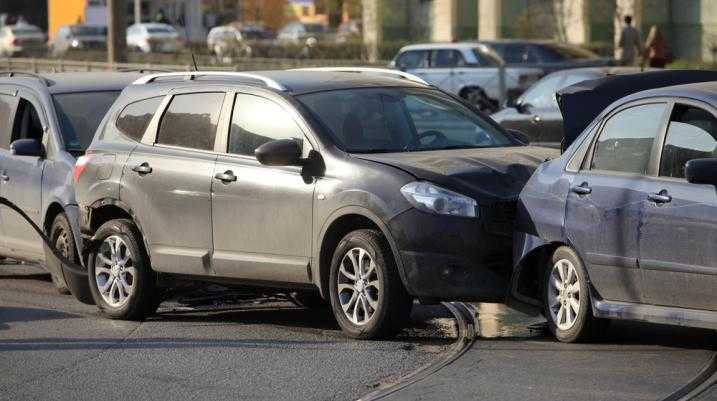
(21, 39)
(153, 37)
(470, 70)
(224, 40)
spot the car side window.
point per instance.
(447, 58)
(27, 122)
(412, 59)
(135, 117)
(191, 120)
(691, 134)
(542, 94)
(8, 105)
(625, 143)
(256, 121)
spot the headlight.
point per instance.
(75, 43)
(434, 199)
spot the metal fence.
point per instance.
(246, 64)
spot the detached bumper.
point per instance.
(452, 258)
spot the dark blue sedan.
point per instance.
(624, 224)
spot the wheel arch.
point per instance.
(340, 223)
(108, 209)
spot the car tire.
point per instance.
(372, 304)
(121, 281)
(478, 98)
(566, 296)
(62, 238)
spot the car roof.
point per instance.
(599, 71)
(72, 82)
(297, 81)
(702, 91)
(442, 45)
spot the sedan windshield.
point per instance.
(373, 120)
(79, 115)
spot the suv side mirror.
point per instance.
(27, 147)
(701, 171)
(520, 136)
(280, 152)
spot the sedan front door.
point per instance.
(603, 208)
(262, 215)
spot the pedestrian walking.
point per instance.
(656, 53)
(629, 44)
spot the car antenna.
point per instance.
(191, 51)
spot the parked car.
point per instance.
(309, 180)
(300, 32)
(78, 37)
(550, 56)
(536, 112)
(227, 41)
(467, 69)
(154, 37)
(349, 31)
(621, 226)
(21, 39)
(256, 32)
(45, 122)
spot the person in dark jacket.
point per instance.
(655, 48)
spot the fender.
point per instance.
(362, 211)
(85, 224)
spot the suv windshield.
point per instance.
(79, 115)
(372, 120)
(88, 30)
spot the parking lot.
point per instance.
(264, 347)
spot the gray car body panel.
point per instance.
(334, 185)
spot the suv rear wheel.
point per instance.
(63, 240)
(567, 301)
(367, 296)
(121, 281)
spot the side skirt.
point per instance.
(655, 314)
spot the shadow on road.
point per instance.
(10, 314)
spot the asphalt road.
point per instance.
(53, 347)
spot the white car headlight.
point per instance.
(434, 199)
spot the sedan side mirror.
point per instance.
(701, 171)
(27, 147)
(280, 152)
(520, 136)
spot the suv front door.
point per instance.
(167, 182)
(262, 216)
(22, 182)
(604, 205)
(678, 256)
(8, 108)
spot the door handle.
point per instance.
(143, 168)
(660, 197)
(582, 189)
(536, 119)
(226, 177)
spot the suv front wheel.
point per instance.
(121, 281)
(63, 240)
(367, 296)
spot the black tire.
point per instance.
(144, 299)
(478, 98)
(394, 304)
(586, 327)
(309, 300)
(62, 238)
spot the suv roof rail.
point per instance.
(11, 74)
(370, 70)
(190, 75)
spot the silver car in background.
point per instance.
(78, 37)
(153, 37)
(21, 39)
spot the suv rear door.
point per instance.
(678, 256)
(22, 181)
(167, 181)
(8, 107)
(262, 215)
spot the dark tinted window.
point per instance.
(256, 121)
(512, 53)
(555, 52)
(134, 118)
(412, 59)
(690, 135)
(79, 115)
(625, 143)
(447, 58)
(8, 105)
(191, 121)
(27, 123)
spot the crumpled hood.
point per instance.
(487, 175)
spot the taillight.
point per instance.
(14, 41)
(80, 165)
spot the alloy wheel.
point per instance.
(564, 294)
(62, 243)
(115, 273)
(358, 286)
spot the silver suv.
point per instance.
(368, 188)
